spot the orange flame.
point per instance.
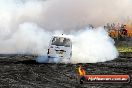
(81, 71)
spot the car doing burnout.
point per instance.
(60, 47)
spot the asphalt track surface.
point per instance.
(21, 71)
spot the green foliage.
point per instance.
(124, 48)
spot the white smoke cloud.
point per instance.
(28, 38)
(90, 46)
(27, 25)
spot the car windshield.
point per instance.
(60, 41)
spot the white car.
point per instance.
(60, 47)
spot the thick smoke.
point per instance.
(89, 46)
(26, 26)
(93, 45)
(75, 14)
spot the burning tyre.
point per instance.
(60, 47)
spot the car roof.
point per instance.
(63, 36)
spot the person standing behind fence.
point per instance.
(108, 27)
(118, 27)
(123, 30)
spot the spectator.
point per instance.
(108, 27)
(118, 26)
(123, 30)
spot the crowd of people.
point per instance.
(118, 30)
